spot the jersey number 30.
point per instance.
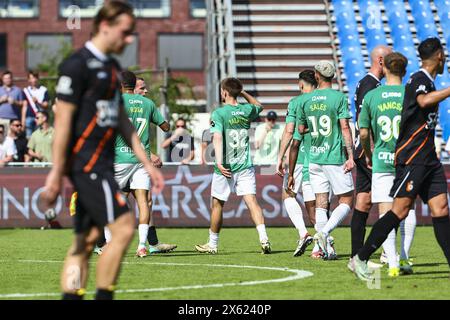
(389, 128)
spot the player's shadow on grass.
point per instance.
(434, 264)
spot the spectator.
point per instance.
(180, 144)
(40, 144)
(36, 99)
(17, 134)
(7, 148)
(11, 100)
(267, 140)
(207, 147)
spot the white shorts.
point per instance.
(381, 187)
(307, 192)
(242, 182)
(132, 176)
(324, 176)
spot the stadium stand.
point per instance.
(358, 26)
(274, 40)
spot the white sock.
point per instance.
(107, 234)
(389, 248)
(321, 219)
(262, 232)
(337, 216)
(213, 239)
(295, 213)
(407, 229)
(316, 247)
(143, 232)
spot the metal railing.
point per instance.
(220, 48)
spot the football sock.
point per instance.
(262, 232)
(441, 227)
(143, 231)
(378, 234)
(213, 239)
(321, 219)
(152, 237)
(389, 248)
(407, 229)
(72, 296)
(316, 248)
(104, 294)
(358, 230)
(107, 235)
(295, 213)
(101, 241)
(336, 218)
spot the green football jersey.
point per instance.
(292, 117)
(303, 153)
(321, 113)
(381, 112)
(141, 111)
(233, 123)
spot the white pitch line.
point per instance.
(297, 274)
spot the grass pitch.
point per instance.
(31, 260)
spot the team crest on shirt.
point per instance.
(409, 186)
(212, 124)
(94, 64)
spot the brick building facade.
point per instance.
(155, 36)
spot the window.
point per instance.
(151, 8)
(2, 51)
(19, 8)
(43, 48)
(184, 51)
(129, 57)
(198, 8)
(85, 8)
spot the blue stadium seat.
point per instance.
(344, 18)
(444, 118)
(350, 50)
(397, 4)
(342, 6)
(402, 36)
(427, 30)
(442, 81)
(424, 19)
(349, 40)
(354, 71)
(368, 7)
(374, 38)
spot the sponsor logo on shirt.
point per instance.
(422, 88)
(64, 85)
(432, 120)
(102, 75)
(386, 95)
(319, 98)
(323, 149)
(409, 186)
(94, 64)
(387, 157)
(237, 113)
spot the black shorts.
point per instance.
(363, 176)
(413, 180)
(100, 201)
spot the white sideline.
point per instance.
(297, 274)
